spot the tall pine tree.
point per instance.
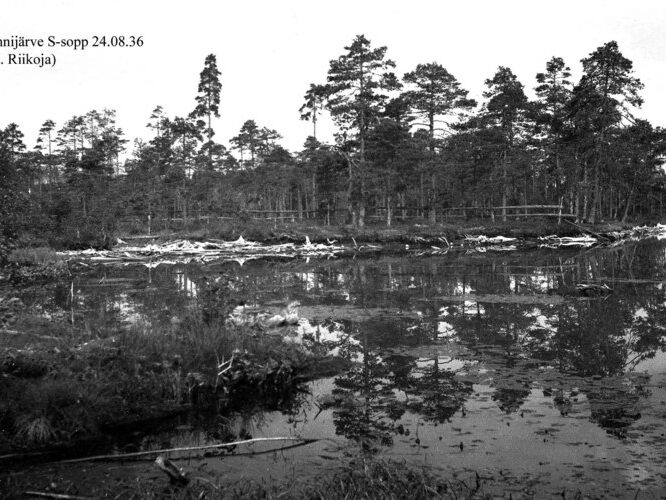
(602, 100)
(434, 95)
(358, 81)
(208, 101)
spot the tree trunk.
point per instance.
(432, 214)
(362, 200)
(313, 205)
(525, 198)
(421, 198)
(388, 210)
(503, 205)
(350, 187)
(595, 200)
(630, 200)
(505, 187)
(585, 192)
(299, 204)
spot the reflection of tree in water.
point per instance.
(590, 338)
(647, 333)
(109, 295)
(489, 323)
(599, 336)
(400, 367)
(50, 298)
(510, 399)
(562, 399)
(583, 336)
(512, 383)
(373, 395)
(437, 393)
(498, 330)
(367, 407)
(614, 405)
(389, 332)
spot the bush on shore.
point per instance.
(60, 383)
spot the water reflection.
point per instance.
(423, 332)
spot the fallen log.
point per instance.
(121, 456)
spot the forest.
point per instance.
(415, 148)
(459, 358)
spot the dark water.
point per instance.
(488, 363)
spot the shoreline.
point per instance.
(267, 232)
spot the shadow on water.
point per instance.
(478, 362)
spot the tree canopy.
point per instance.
(405, 148)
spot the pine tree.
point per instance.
(313, 104)
(45, 142)
(156, 122)
(603, 99)
(357, 84)
(434, 95)
(208, 99)
(553, 95)
(505, 111)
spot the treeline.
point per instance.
(414, 146)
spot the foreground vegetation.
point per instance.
(62, 384)
(356, 478)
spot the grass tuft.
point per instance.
(35, 429)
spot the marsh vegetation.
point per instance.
(490, 369)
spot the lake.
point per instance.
(488, 366)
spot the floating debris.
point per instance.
(485, 240)
(554, 241)
(185, 251)
(639, 233)
(593, 289)
(492, 248)
(250, 317)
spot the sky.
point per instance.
(269, 52)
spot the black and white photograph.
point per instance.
(332, 250)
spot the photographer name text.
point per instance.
(25, 51)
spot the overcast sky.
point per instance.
(270, 51)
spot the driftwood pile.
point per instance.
(639, 233)
(241, 250)
(184, 251)
(553, 241)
